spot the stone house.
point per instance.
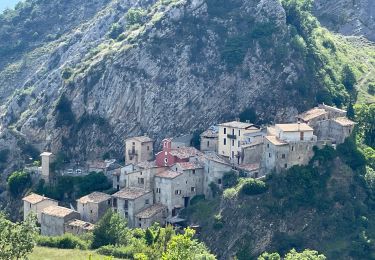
(36, 203)
(252, 152)
(93, 206)
(78, 227)
(232, 136)
(130, 201)
(139, 149)
(168, 156)
(54, 219)
(287, 145)
(119, 176)
(335, 130)
(150, 215)
(214, 169)
(209, 139)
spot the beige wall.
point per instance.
(147, 222)
(92, 212)
(55, 226)
(37, 208)
(144, 151)
(134, 207)
(209, 144)
(46, 162)
(232, 145)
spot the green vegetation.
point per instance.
(17, 239)
(45, 253)
(294, 255)
(245, 186)
(72, 187)
(135, 16)
(66, 241)
(18, 182)
(115, 30)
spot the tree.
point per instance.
(305, 255)
(349, 79)
(115, 31)
(135, 16)
(371, 89)
(17, 240)
(269, 256)
(149, 237)
(110, 230)
(186, 247)
(350, 111)
(18, 182)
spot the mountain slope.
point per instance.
(168, 68)
(347, 17)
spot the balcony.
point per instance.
(231, 136)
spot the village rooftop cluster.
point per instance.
(156, 187)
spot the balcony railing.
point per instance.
(231, 136)
(132, 152)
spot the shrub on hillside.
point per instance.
(230, 179)
(18, 182)
(126, 252)
(349, 153)
(66, 241)
(253, 187)
(135, 16)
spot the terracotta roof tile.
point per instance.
(34, 198)
(275, 141)
(151, 211)
(296, 127)
(95, 197)
(344, 121)
(58, 211)
(168, 174)
(185, 152)
(312, 113)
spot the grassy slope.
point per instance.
(44, 253)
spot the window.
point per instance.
(148, 148)
(118, 178)
(232, 154)
(225, 130)
(269, 155)
(193, 171)
(157, 190)
(114, 202)
(292, 148)
(118, 187)
(302, 136)
(268, 145)
(126, 214)
(141, 173)
(219, 181)
(177, 192)
(225, 141)
(192, 189)
(232, 131)
(286, 166)
(126, 204)
(239, 143)
(165, 160)
(208, 143)
(91, 211)
(109, 202)
(239, 132)
(147, 201)
(232, 142)
(133, 143)
(141, 181)
(283, 156)
(30, 205)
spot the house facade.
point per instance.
(209, 139)
(139, 149)
(36, 203)
(232, 135)
(54, 219)
(93, 206)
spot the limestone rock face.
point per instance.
(186, 65)
(347, 16)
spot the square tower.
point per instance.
(139, 149)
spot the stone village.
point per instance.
(154, 187)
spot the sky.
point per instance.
(7, 4)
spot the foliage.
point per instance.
(67, 73)
(17, 239)
(18, 182)
(214, 189)
(307, 254)
(125, 252)
(371, 89)
(230, 179)
(110, 230)
(186, 247)
(4, 154)
(349, 78)
(135, 16)
(349, 153)
(149, 237)
(249, 114)
(64, 113)
(48, 253)
(365, 116)
(66, 241)
(253, 187)
(115, 30)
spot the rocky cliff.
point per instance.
(111, 69)
(348, 17)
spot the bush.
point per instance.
(253, 187)
(67, 73)
(196, 199)
(135, 16)
(349, 79)
(349, 153)
(18, 182)
(230, 179)
(115, 31)
(115, 251)
(371, 89)
(66, 241)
